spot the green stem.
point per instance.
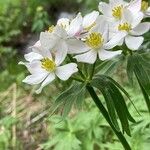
(106, 116)
(92, 71)
(77, 79)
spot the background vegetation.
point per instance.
(26, 122)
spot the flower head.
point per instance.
(113, 11)
(95, 42)
(129, 29)
(45, 68)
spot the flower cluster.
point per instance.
(87, 39)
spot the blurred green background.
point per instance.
(25, 118)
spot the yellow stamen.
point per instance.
(63, 25)
(94, 40)
(124, 27)
(117, 12)
(90, 27)
(48, 64)
(144, 6)
(51, 28)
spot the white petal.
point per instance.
(101, 25)
(137, 19)
(61, 52)
(37, 44)
(90, 18)
(35, 78)
(115, 40)
(42, 51)
(75, 26)
(60, 32)
(127, 16)
(76, 46)
(64, 72)
(141, 28)
(34, 67)
(48, 80)
(32, 56)
(134, 43)
(105, 9)
(135, 6)
(104, 54)
(88, 57)
(48, 40)
(114, 3)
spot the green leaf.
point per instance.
(146, 97)
(139, 65)
(127, 95)
(111, 108)
(99, 84)
(106, 116)
(120, 108)
(69, 97)
(114, 100)
(143, 77)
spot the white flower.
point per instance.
(60, 43)
(44, 69)
(145, 8)
(82, 24)
(114, 10)
(64, 23)
(129, 30)
(95, 43)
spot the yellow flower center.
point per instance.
(117, 12)
(90, 27)
(48, 64)
(124, 27)
(94, 40)
(144, 6)
(51, 28)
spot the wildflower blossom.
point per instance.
(129, 30)
(95, 42)
(44, 68)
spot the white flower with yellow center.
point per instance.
(95, 43)
(60, 43)
(129, 30)
(44, 69)
(114, 10)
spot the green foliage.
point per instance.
(88, 130)
(10, 21)
(5, 132)
(9, 68)
(114, 100)
(140, 67)
(73, 95)
(41, 20)
(78, 133)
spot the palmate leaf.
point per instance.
(74, 94)
(114, 100)
(140, 67)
